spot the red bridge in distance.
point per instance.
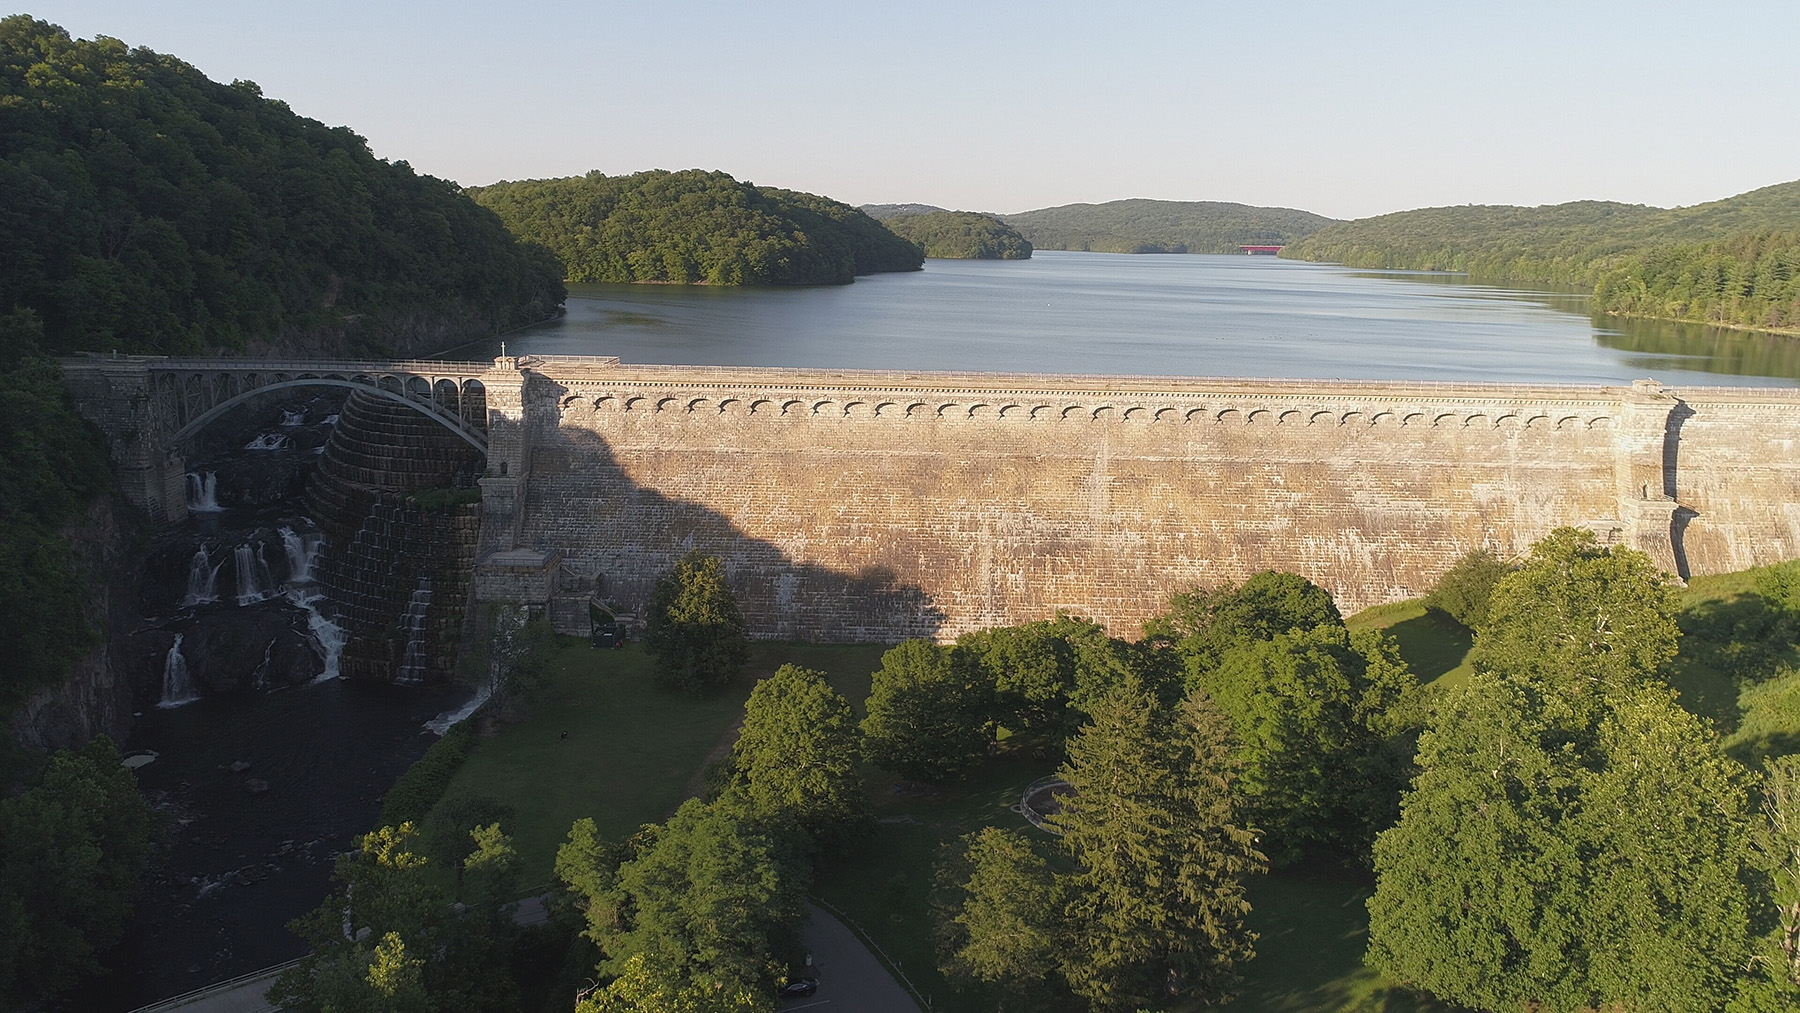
(1266, 251)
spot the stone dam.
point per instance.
(872, 506)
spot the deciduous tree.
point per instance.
(928, 718)
(795, 758)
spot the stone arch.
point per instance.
(446, 395)
(458, 426)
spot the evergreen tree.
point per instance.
(928, 720)
(1005, 929)
(1156, 903)
(694, 631)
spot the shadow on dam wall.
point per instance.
(580, 500)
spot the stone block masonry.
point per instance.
(852, 505)
(858, 505)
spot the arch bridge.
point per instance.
(151, 407)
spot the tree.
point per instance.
(638, 989)
(360, 938)
(928, 719)
(1775, 839)
(1006, 926)
(1156, 903)
(1534, 867)
(795, 758)
(76, 844)
(1313, 712)
(694, 631)
(1463, 592)
(702, 902)
(1045, 674)
(1205, 623)
(1579, 618)
(513, 661)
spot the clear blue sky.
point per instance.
(1347, 109)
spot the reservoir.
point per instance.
(1167, 315)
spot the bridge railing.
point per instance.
(429, 367)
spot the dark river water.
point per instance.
(1178, 315)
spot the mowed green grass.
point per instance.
(633, 747)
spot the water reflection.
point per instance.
(1192, 315)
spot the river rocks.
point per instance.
(255, 786)
(240, 649)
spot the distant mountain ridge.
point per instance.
(882, 212)
(1141, 225)
(1733, 262)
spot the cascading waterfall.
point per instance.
(203, 492)
(292, 417)
(270, 441)
(412, 623)
(178, 686)
(203, 579)
(330, 637)
(254, 582)
(302, 554)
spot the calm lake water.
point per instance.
(1187, 315)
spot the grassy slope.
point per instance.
(632, 749)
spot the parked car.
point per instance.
(798, 987)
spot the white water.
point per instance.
(254, 583)
(270, 441)
(329, 636)
(261, 680)
(291, 417)
(203, 492)
(302, 554)
(443, 722)
(178, 686)
(412, 664)
(203, 579)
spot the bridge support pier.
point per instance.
(115, 394)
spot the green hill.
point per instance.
(961, 235)
(146, 208)
(1733, 262)
(1162, 226)
(695, 228)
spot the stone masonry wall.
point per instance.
(872, 506)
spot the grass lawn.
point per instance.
(1311, 921)
(633, 747)
(1434, 646)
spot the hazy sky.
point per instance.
(1347, 109)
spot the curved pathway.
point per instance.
(850, 978)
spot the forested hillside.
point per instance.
(146, 208)
(695, 228)
(961, 235)
(1734, 262)
(1162, 226)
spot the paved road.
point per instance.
(850, 978)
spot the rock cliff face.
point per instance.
(97, 698)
